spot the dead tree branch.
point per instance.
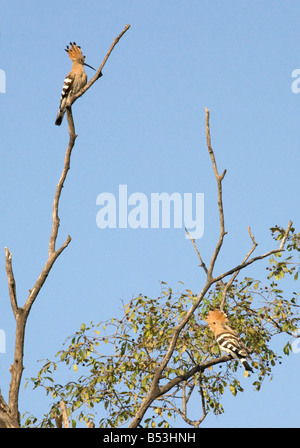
(185, 399)
(236, 273)
(219, 179)
(202, 264)
(65, 420)
(9, 413)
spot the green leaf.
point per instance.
(233, 389)
(286, 349)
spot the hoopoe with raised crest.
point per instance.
(228, 340)
(74, 81)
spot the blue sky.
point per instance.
(143, 125)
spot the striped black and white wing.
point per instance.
(230, 343)
(67, 87)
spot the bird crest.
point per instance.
(74, 51)
(216, 316)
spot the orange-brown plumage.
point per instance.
(74, 81)
(74, 52)
(217, 321)
(216, 316)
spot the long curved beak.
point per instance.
(89, 66)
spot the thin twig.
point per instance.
(259, 257)
(202, 264)
(236, 273)
(185, 399)
(11, 281)
(203, 406)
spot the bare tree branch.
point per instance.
(219, 179)
(21, 314)
(203, 406)
(11, 281)
(58, 420)
(259, 257)
(155, 393)
(10, 412)
(185, 399)
(236, 273)
(55, 217)
(202, 264)
(6, 419)
(65, 420)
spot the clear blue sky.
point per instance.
(142, 125)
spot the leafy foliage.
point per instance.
(114, 362)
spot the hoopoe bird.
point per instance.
(228, 340)
(74, 81)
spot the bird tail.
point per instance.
(60, 117)
(246, 365)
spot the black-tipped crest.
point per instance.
(75, 53)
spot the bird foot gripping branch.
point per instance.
(74, 81)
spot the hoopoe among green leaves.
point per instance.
(228, 339)
(74, 81)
